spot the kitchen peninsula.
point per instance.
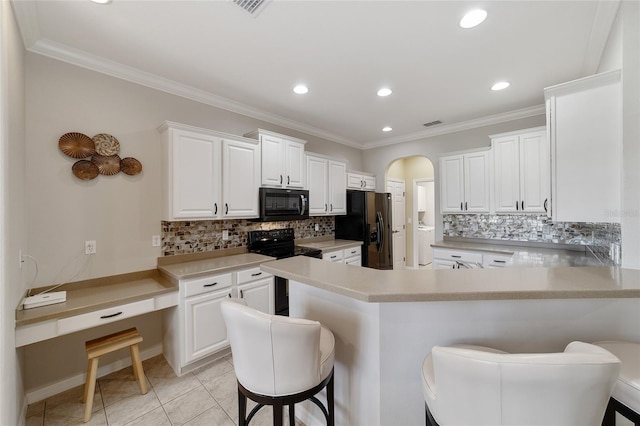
(385, 322)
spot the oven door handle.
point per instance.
(303, 204)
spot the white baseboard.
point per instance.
(35, 395)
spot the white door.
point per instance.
(452, 184)
(506, 167)
(294, 176)
(272, 160)
(397, 190)
(476, 182)
(534, 172)
(205, 331)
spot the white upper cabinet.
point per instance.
(521, 171)
(207, 174)
(464, 183)
(240, 178)
(283, 159)
(326, 179)
(584, 127)
(361, 180)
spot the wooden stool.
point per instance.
(104, 345)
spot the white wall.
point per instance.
(120, 212)
(12, 213)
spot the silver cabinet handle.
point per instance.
(325, 207)
(280, 179)
(522, 204)
(111, 316)
(226, 206)
(288, 180)
(210, 285)
(545, 205)
(241, 294)
(461, 206)
(216, 208)
(465, 206)
(256, 274)
(500, 261)
(331, 207)
(455, 256)
(516, 206)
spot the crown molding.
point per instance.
(463, 125)
(99, 64)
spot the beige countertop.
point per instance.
(329, 245)
(99, 293)
(198, 268)
(372, 285)
(529, 256)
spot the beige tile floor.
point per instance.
(207, 396)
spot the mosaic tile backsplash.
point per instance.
(603, 239)
(206, 235)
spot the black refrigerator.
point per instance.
(368, 219)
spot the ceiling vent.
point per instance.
(254, 7)
(432, 123)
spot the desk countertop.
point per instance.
(99, 293)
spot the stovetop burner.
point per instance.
(278, 243)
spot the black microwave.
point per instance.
(283, 204)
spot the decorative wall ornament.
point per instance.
(103, 149)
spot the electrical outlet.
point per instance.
(155, 241)
(90, 247)
(225, 235)
(317, 227)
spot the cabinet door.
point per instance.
(272, 160)
(241, 179)
(584, 120)
(443, 264)
(294, 174)
(452, 184)
(317, 185)
(506, 163)
(534, 172)
(476, 182)
(369, 183)
(337, 190)
(205, 331)
(194, 170)
(259, 295)
(354, 181)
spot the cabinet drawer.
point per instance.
(333, 256)
(206, 284)
(248, 275)
(104, 316)
(465, 256)
(356, 261)
(353, 251)
(495, 260)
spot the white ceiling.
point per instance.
(217, 53)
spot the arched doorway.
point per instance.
(411, 174)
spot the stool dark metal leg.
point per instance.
(292, 414)
(242, 409)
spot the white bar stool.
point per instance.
(278, 361)
(626, 394)
(474, 385)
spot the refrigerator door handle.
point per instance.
(380, 226)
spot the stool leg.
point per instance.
(292, 415)
(277, 414)
(330, 407)
(138, 372)
(90, 388)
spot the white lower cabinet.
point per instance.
(195, 329)
(349, 256)
(462, 259)
(205, 331)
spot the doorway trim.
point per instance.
(414, 222)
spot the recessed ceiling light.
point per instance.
(500, 85)
(301, 89)
(385, 91)
(101, 1)
(473, 18)
(387, 129)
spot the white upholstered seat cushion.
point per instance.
(481, 386)
(275, 355)
(627, 389)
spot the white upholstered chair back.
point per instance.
(488, 388)
(272, 355)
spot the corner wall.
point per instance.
(12, 213)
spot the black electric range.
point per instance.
(279, 243)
